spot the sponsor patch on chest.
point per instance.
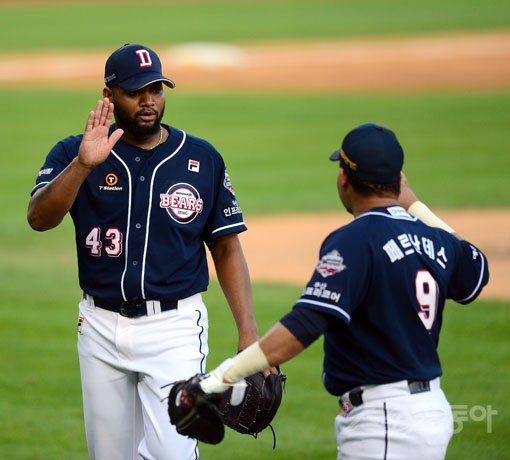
(111, 180)
(182, 202)
(330, 263)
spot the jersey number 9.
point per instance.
(427, 297)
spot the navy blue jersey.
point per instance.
(142, 217)
(381, 283)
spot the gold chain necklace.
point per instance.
(159, 140)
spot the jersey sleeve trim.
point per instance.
(326, 305)
(478, 285)
(39, 185)
(225, 227)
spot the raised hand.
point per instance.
(407, 196)
(96, 145)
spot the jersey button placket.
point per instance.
(134, 273)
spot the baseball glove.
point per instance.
(195, 413)
(259, 405)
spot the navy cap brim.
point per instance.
(140, 81)
(335, 156)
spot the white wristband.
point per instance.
(249, 361)
(422, 212)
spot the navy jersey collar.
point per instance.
(392, 212)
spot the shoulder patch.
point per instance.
(330, 264)
(227, 184)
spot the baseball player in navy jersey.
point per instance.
(144, 198)
(377, 294)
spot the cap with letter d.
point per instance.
(132, 67)
(372, 153)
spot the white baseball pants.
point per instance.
(124, 363)
(393, 424)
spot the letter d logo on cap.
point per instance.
(145, 58)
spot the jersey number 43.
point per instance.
(94, 243)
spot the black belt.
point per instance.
(132, 309)
(415, 386)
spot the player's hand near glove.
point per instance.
(195, 411)
(200, 406)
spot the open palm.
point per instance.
(96, 145)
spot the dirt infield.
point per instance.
(284, 248)
(450, 62)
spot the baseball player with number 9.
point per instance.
(145, 199)
(377, 295)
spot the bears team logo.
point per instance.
(182, 202)
(330, 264)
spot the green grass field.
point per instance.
(456, 156)
(84, 25)
(41, 399)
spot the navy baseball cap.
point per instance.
(372, 153)
(132, 67)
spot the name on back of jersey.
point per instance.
(407, 244)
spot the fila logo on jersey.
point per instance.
(145, 58)
(330, 264)
(182, 202)
(227, 184)
(111, 181)
(193, 166)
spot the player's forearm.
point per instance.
(422, 212)
(50, 204)
(276, 347)
(234, 278)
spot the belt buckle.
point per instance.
(132, 309)
(355, 396)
